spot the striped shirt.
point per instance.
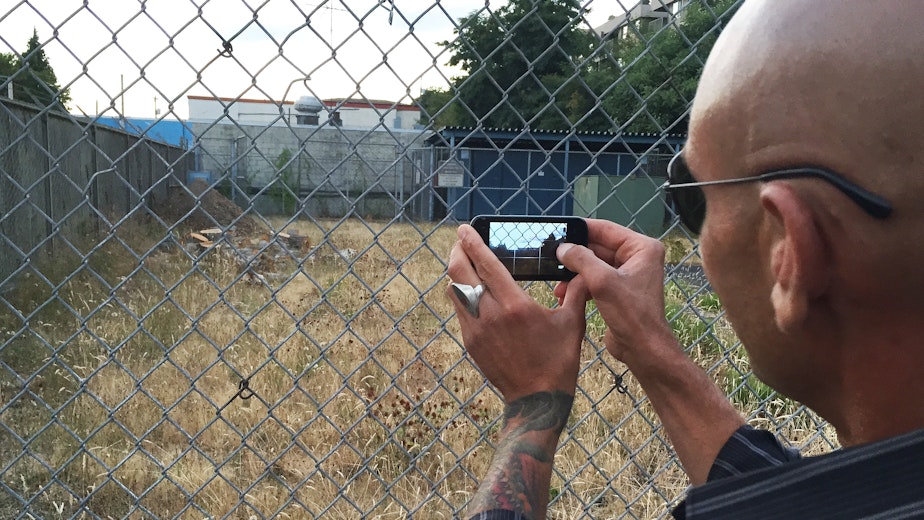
(754, 476)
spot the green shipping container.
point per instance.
(634, 201)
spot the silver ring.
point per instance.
(469, 296)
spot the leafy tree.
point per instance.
(515, 58)
(440, 107)
(33, 78)
(653, 74)
(530, 63)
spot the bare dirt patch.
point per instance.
(213, 208)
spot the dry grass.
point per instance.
(121, 402)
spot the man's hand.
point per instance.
(531, 354)
(519, 345)
(624, 274)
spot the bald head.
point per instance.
(832, 83)
(812, 283)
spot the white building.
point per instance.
(334, 156)
(307, 111)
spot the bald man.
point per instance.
(802, 172)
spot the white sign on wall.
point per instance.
(451, 174)
(450, 180)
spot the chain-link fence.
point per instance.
(225, 227)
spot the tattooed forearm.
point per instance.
(540, 411)
(521, 469)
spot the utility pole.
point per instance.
(122, 97)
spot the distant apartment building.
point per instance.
(647, 13)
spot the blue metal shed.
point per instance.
(522, 172)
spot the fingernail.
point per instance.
(562, 249)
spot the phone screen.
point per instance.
(527, 245)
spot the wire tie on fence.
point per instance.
(619, 384)
(243, 391)
(228, 49)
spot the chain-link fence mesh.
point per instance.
(225, 227)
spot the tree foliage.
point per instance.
(531, 63)
(661, 68)
(7, 65)
(287, 185)
(517, 59)
(32, 76)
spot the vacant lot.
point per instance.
(141, 377)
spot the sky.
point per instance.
(523, 235)
(165, 50)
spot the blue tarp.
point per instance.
(169, 131)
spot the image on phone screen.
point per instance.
(527, 249)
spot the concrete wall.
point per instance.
(337, 171)
(60, 174)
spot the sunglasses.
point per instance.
(689, 202)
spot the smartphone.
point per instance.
(526, 245)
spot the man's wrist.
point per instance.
(660, 346)
(541, 411)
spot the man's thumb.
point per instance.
(574, 257)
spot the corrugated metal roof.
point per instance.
(557, 132)
(461, 134)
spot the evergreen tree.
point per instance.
(7, 66)
(34, 80)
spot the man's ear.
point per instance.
(798, 255)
